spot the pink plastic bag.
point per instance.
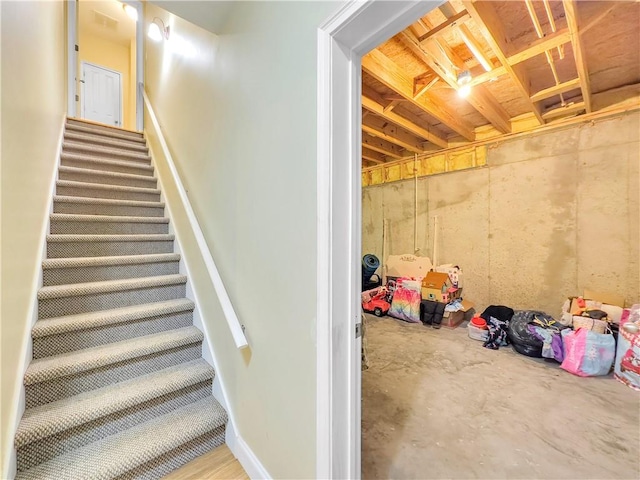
(406, 300)
(587, 353)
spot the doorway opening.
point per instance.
(106, 62)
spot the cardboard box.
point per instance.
(453, 319)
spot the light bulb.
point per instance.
(464, 91)
(154, 32)
(131, 11)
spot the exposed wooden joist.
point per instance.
(393, 104)
(488, 76)
(383, 69)
(373, 156)
(382, 146)
(422, 132)
(479, 97)
(487, 20)
(424, 88)
(391, 133)
(475, 47)
(444, 27)
(571, 12)
(564, 111)
(540, 46)
(556, 90)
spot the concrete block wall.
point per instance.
(551, 214)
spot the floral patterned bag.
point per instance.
(587, 353)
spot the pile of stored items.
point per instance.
(415, 291)
(583, 341)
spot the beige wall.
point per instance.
(114, 56)
(552, 213)
(240, 119)
(33, 108)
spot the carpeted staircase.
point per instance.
(117, 387)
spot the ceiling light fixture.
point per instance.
(131, 11)
(157, 31)
(464, 80)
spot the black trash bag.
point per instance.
(523, 340)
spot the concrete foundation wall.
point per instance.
(550, 215)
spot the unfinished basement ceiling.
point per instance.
(531, 63)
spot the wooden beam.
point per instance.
(571, 12)
(487, 20)
(421, 132)
(540, 46)
(444, 27)
(373, 156)
(556, 90)
(488, 76)
(391, 133)
(382, 146)
(383, 69)
(479, 97)
(564, 111)
(392, 105)
(424, 88)
(475, 47)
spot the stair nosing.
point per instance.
(79, 217)
(106, 186)
(46, 420)
(76, 136)
(83, 262)
(109, 286)
(96, 237)
(107, 173)
(154, 438)
(72, 363)
(96, 147)
(83, 321)
(98, 126)
(107, 201)
(105, 161)
(101, 133)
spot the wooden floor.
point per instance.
(218, 464)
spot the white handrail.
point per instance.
(237, 330)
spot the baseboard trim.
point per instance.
(245, 455)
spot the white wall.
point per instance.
(33, 106)
(239, 115)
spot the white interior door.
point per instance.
(101, 95)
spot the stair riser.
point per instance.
(170, 461)
(105, 130)
(99, 209)
(42, 450)
(108, 194)
(78, 130)
(106, 249)
(71, 341)
(112, 154)
(105, 142)
(66, 276)
(107, 228)
(63, 387)
(57, 307)
(143, 182)
(129, 169)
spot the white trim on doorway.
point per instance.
(342, 40)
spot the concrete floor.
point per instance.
(436, 404)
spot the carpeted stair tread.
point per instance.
(80, 262)
(48, 419)
(76, 217)
(106, 201)
(106, 142)
(122, 452)
(103, 186)
(106, 174)
(111, 148)
(49, 368)
(104, 134)
(91, 288)
(102, 127)
(101, 318)
(99, 163)
(94, 153)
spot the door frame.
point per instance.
(84, 86)
(73, 98)
(342, 40)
